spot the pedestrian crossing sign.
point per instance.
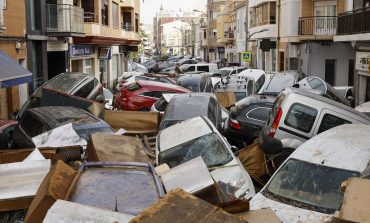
(246, 56)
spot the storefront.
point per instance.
(105, 54)
(82, 59)
(362, 83)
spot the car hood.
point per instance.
(288, 213)
(227, 172)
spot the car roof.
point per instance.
(56, 116)
(231, 68)
(190, 78)
(254, 73)
(344, 147)
(254, 99)
(144, 83)
(66, 82)
(293, 90)
(196, 104)
(183, 132)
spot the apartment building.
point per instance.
(240, 31)
(262, 33)
(14, 78)
(217, 17)
(111, 32)
(90, 36)
(354, 28)
(307, 29)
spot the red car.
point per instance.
(141, 95)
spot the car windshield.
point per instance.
(309, 186)
(65, 82)
(278, 83)
(191, 85)
(240, 95)
(223, 72)
(209, 147)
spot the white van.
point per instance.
(204, 67)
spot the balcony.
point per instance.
(317, 26)
(354, 22)
(64, 20)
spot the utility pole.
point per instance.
(278, 34)
(246, 27)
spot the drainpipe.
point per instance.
(246, 29)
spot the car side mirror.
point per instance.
(235, 150)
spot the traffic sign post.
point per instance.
(246, 56)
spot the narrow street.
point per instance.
(167, 111)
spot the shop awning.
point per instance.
(12, 73)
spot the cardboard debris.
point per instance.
(182, 207)
(192, 176)
(55, 186)
(355, 206)
(67, 154)
(266, 215)
(132, 121)
(253, 160)
(115, 148)
(69, 212)
(20, 181)
(226, 98)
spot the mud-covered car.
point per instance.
(36, 121)
(307, 186)
(199, 137)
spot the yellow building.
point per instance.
(111, 31)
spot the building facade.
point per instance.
(13, 44)
(90, 36)
(354, 29)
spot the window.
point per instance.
(85, 90)
(260, 114)
(259, 83)
(330, 121)
(126, 21)
(203, 68)
(212, 114)
(153, 94)
(301, 117)
(88, 69)
(316, 83)
(136, 22)
(209, 87)
(104, 12)
(2, 6)
(32, 127)
(115, 15)
(190, 68)
(263, 14)
(249, 87)
(202, 84)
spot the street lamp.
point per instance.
(249, 35)
(207, 33)
(260, 31)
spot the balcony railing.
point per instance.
(127, 27)
(317, 25)
(64, 20)
(354, 22)
(90, 17)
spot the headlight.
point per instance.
(237, 181)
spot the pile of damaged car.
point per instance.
(228, 145)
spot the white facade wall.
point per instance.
(240, 29)
(290, 12)
(313, 56)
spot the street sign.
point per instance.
(246, 56)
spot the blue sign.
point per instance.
(81, 50)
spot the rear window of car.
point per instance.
(301, 117)
(32, 127)
(260, 114)
(133, 87)
(330, 121)
(203, 68)
(161, 104)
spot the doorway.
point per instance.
(330, 71)
(281, 62)
(57, 63)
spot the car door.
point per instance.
(298, 124)
(330, 119)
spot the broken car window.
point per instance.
(312, 186)
(209, 147)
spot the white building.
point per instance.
(240, 31)
(173, 37)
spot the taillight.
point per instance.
(275, 123)
(234, 124)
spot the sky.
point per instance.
(150, 7)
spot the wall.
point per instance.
(240, 29)
(290, 9)
(313, 56)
